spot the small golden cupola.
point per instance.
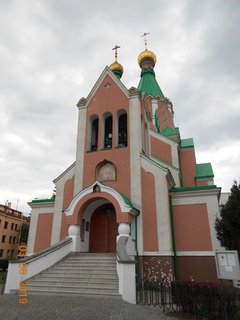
(146, 58)
(116, 67)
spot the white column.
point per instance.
(74, 233)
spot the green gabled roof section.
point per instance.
(43, 200)
(187, 143)
(182, 189)
(156, 122)
(125, 199)
(169, 132)
(148, 84)
(204, 170)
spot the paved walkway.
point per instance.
(49, 307)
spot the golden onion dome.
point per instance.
(147, 55)
(115, 66)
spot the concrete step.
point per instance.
(93, 258)
(70, 291)
(80, 266)
(85, 261)
(107, 277)
(89, 281)
(63, 273)
(89, 261)
(99, 286)
(83, 274)
(47, 288)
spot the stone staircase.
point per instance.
(78, 273)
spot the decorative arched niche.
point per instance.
(106, 171)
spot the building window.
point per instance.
(12, 226)
(107, 127)
(94, 124)
(10, 239)
(9, 253)
(16, 226)
(12, 252)
(1, 252)
(14, 239)
(3, 238)
(122, 129)
(5, 225)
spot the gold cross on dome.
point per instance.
(116, 53)
(145, 38)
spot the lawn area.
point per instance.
(2, 276)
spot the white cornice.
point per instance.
(41, 204)
(195, 193)
(64, 172)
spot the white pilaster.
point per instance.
(80, 149)
(135, 149)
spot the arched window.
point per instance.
(122, 129)
(107, 129)
(94, 123)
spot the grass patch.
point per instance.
(3, 275)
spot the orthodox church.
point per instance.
(136, 177)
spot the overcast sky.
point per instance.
(52, 53)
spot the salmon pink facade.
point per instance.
(134, 169)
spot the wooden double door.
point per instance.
(103, 230)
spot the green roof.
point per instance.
(187, 143)
(148, 84)
(43, 200)
(182, 189)
(204, 170)
(169, 132)
(125, 199)
(178, 131)
(156, 122)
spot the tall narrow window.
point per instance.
(146, 140)
(93, 133)
(122, 130)
(107, 131)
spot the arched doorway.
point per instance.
(103, 229)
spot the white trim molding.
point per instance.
(158, 253)
(196, 253)
(102, 188)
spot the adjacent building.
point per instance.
(11, 222)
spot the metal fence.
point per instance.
(205, 300)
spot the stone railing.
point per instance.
(125, 265)
(25, 268)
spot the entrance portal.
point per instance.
(103, 230)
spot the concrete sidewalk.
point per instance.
(68, 307)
